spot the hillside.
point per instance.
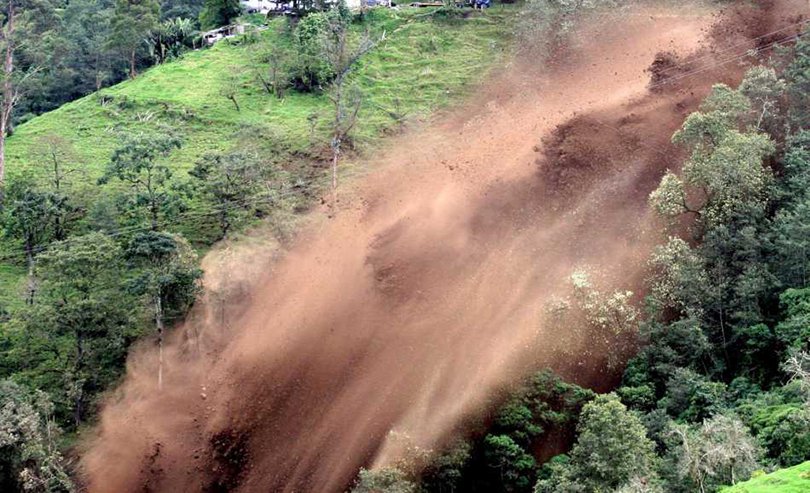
(794, 479)
(422, 64)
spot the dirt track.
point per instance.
(402, 318)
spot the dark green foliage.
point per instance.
(512, 465)
(503, 459)
(181, 9)
(445, 473)
(216, 13)
(310, 71)
(612, 450)
(793, 332)
(131, 21)
(77, 324)
(730, 308)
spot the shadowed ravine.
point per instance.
(427, 293)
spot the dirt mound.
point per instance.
(401, 320)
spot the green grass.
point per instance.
(422, 65)
(791, 480)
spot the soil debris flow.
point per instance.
(401, 320)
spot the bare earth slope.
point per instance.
(402, 318)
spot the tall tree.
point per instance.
(217, 13)
(81, 298)
(342, 55)
(131, 22)
(168, 279)
(140, 162)
(230, 181)
(612, 450)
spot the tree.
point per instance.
(217, 13)
(725, 172)
(275, 76)
(168, 279)
(612, 450)
(231, 85)
(139, 161)
(229, 181)
(17, 26)
(81, 285)
(388, 480)
(58, 156)
(29, 454)
(28, 218)
(131, 21)
(720, 451)
(87, 60)
(181, 9)
(342, 55)
(171, 38)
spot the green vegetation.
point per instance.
(420, 66)
(721, 385)
(790, 480)
(106, 198)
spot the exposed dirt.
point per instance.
(401, 320)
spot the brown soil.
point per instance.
(407, 314)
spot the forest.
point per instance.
(372, 350)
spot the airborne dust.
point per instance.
(401, 320)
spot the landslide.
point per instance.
(400, 320)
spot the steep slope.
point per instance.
(398, 322)
(422, 65)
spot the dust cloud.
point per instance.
(403, 318)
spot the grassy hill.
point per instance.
(794, 479)
(423, 63)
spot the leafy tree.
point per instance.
(131, 21)
(388, 480)
(217, 13)
(310, 70)
(140, 162)
(445, 473)
(612, 446)
(181, 9)
(168, 279)
(612, 449)
(230, 181)
(725, 172)
(28, 219)
(170, 38)
(515, 467)
(29, 455)
(81, 286)
(798, 79)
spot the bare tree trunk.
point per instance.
(132, 72)
(159, 324)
